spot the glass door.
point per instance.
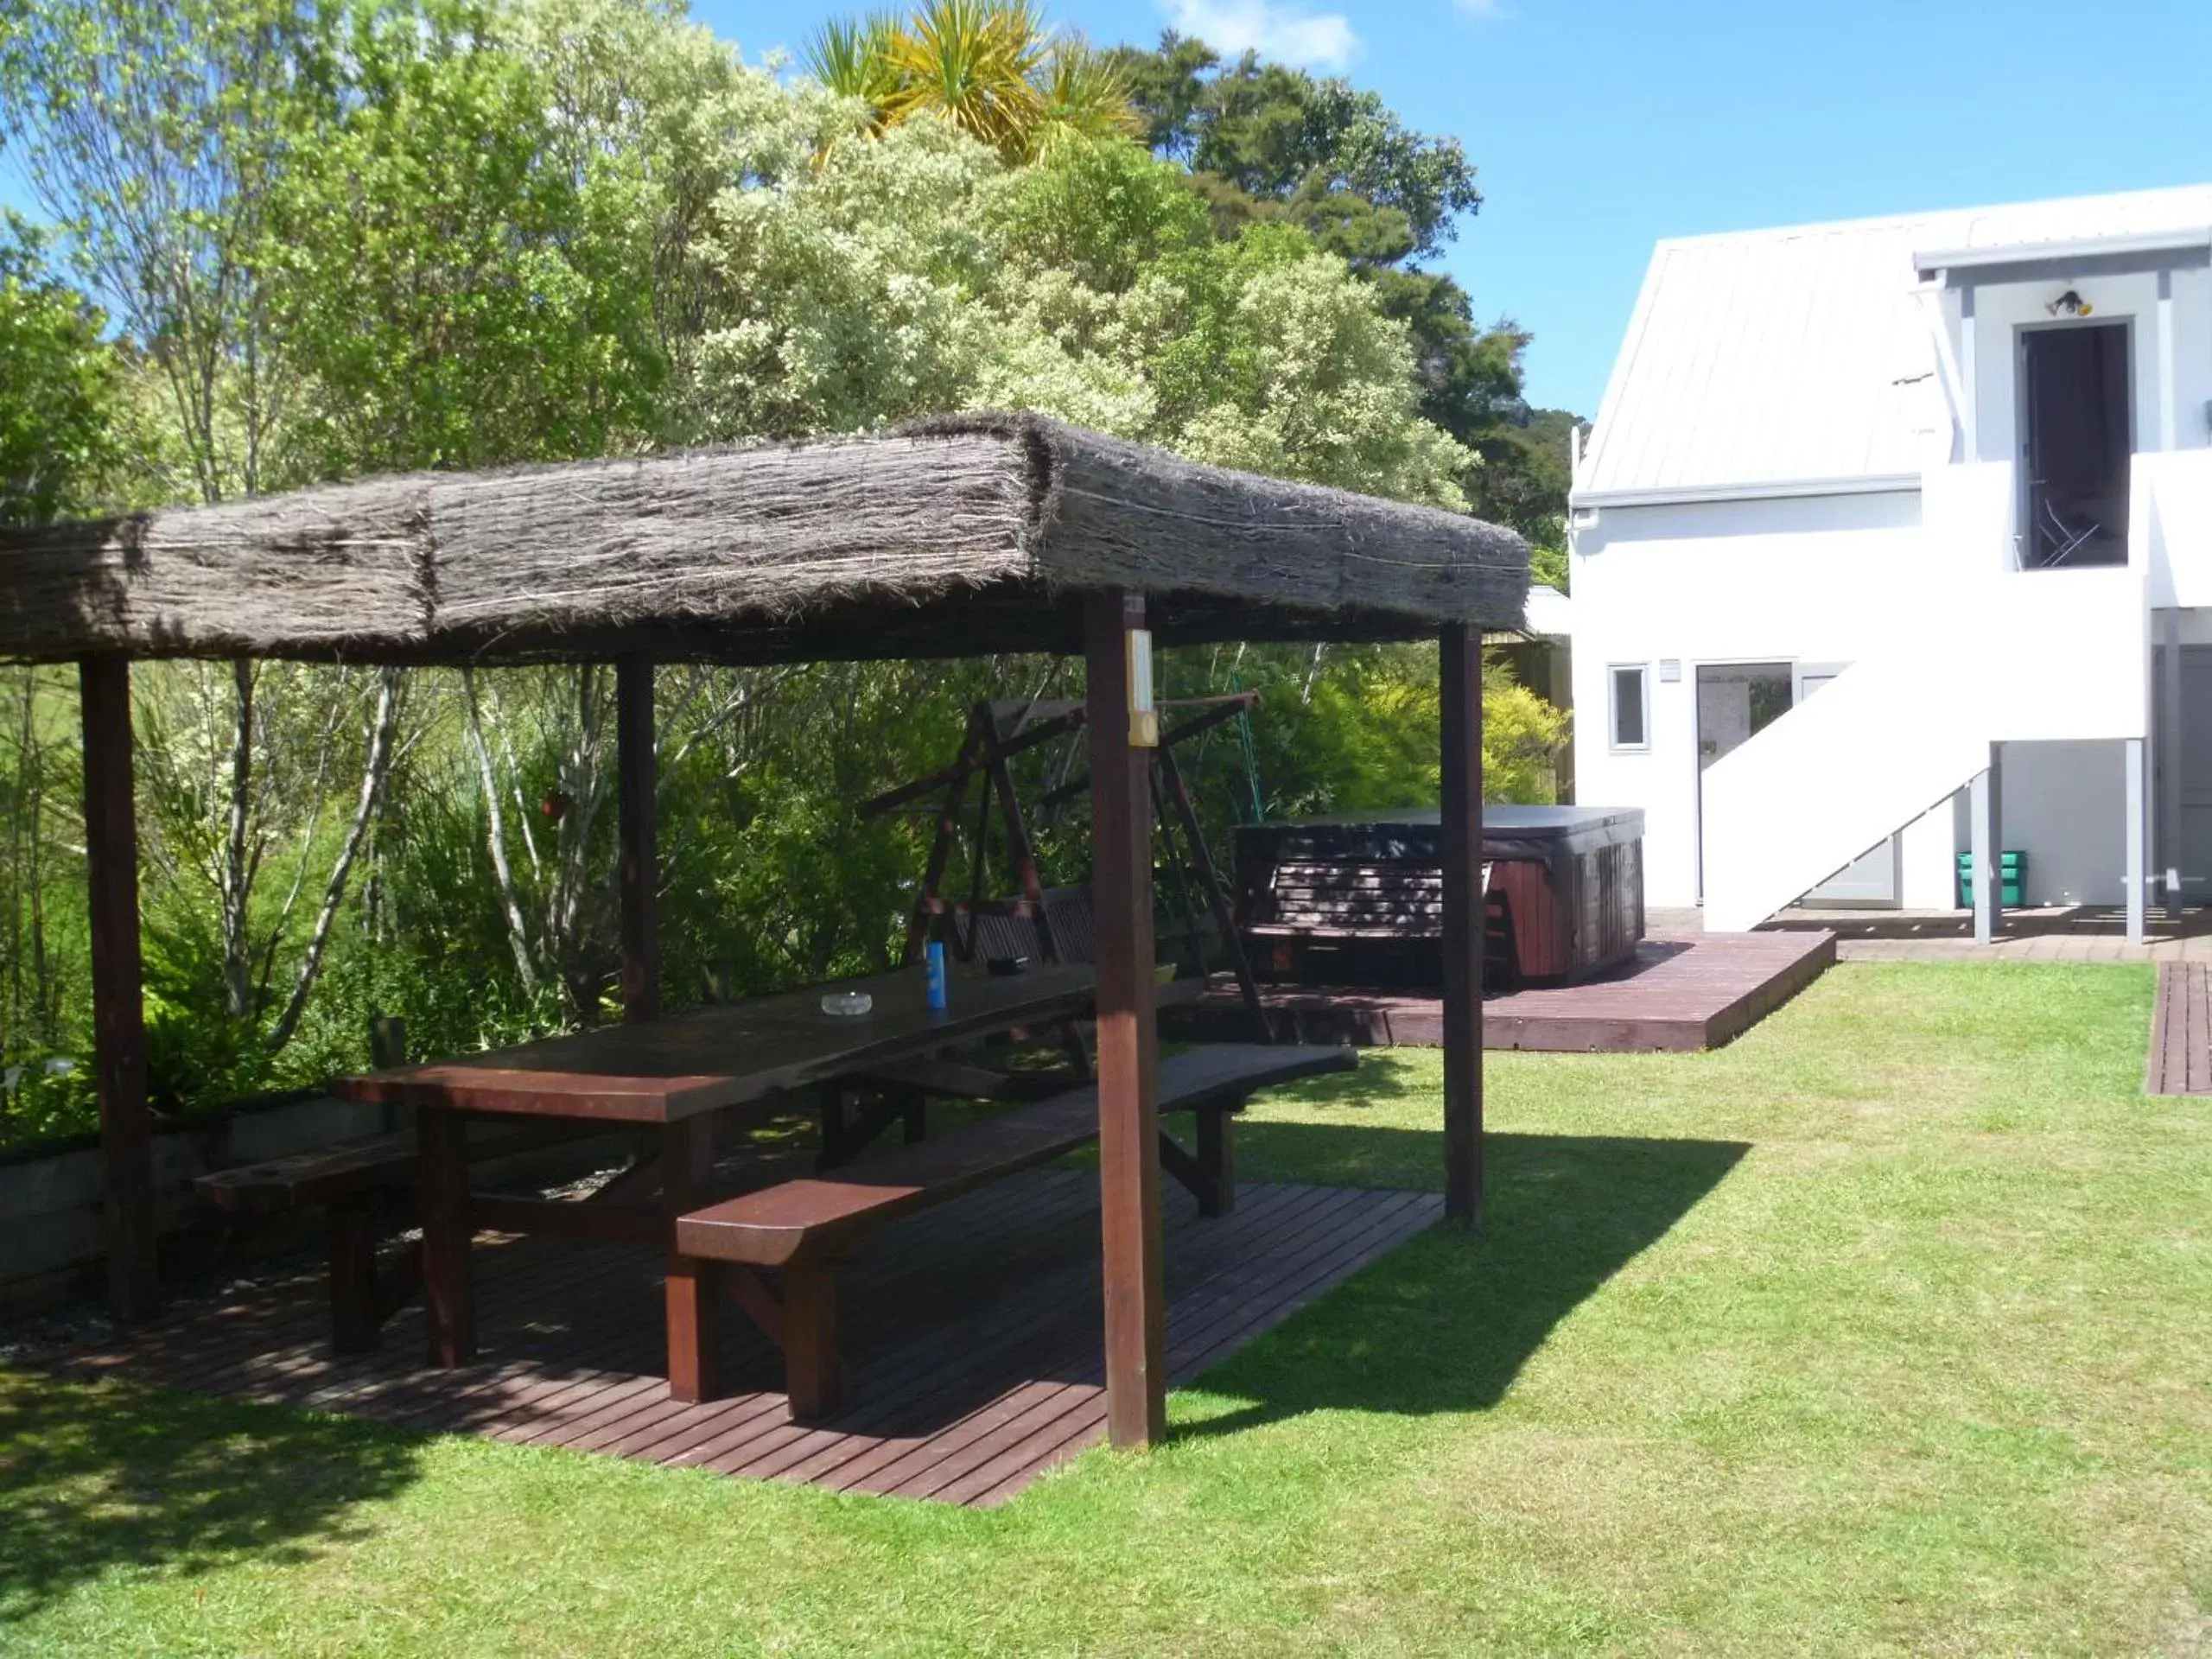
(2077, 433)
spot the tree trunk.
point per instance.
(518, 930)
(236, 884)
(374, 774)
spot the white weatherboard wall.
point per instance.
(1809, 454)
(2001, 312)
(2171, 525)
(1819, 580)
(2000, 656)
(1950, 649)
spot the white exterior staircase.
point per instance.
(1830, 780)
(1993, 655)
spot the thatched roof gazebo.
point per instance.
(957, 536)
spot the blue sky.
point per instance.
(1599, 127)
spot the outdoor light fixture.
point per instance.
(2069, 304)
(1144, 719)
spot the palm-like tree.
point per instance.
(970, 62)
(990, 67)
(851, 56)
(1086, 93)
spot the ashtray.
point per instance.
(847, 1003)
(1006, 966)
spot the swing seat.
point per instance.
(1000, 930)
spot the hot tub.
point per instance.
(1357, 898)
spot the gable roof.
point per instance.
(1799, 360)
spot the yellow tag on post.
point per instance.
(1144, 719)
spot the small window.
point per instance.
(1630, 727)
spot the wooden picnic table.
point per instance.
(678, 1076)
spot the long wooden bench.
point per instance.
(347, 1180)
(806, 1228)
(1298, 901)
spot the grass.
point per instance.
(1888, 1327)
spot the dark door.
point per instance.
(2075, 439)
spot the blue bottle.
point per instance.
(933, 960)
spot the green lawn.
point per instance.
(1889, 1326)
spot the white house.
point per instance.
(1950, 472)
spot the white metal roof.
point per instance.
(1551, 613)
(1550, 616)
(1799, 362)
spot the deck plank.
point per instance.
(1694, 991)
(972, 1340)
(2180, 1058)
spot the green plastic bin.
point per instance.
(2011, 880)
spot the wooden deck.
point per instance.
(2181, 1031)
(1689, 992)
(972, 1339)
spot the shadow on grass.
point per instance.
(98, 1479)
(1445, 1322)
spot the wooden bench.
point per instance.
(807, 1229)
(1372, 903)
(347, 1180)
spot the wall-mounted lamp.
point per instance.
(2069, 304)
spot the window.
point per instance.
(1630, 727)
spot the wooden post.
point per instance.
(350, 1236)
(1460, 687)
(1129, 1042)
(387, 1041)
(640, 856)
(813, 1387)
(118, 1007)
(691, 1287)
(1224, 919)
(448, 1231)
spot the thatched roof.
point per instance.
(952, 538)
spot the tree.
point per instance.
(1263, 142)
(1281, 135)
(154, 130)
(59, 387)
(843, 291)
(449, 295)
(1119, 306)
(157, 134)
(989, 68)
(472, 231)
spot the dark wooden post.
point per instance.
(691, 1287)
(441, 1196)
(639, 855)
(118, 1007)
(387, 1041)
(1128, 1043)
(1461, 689)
